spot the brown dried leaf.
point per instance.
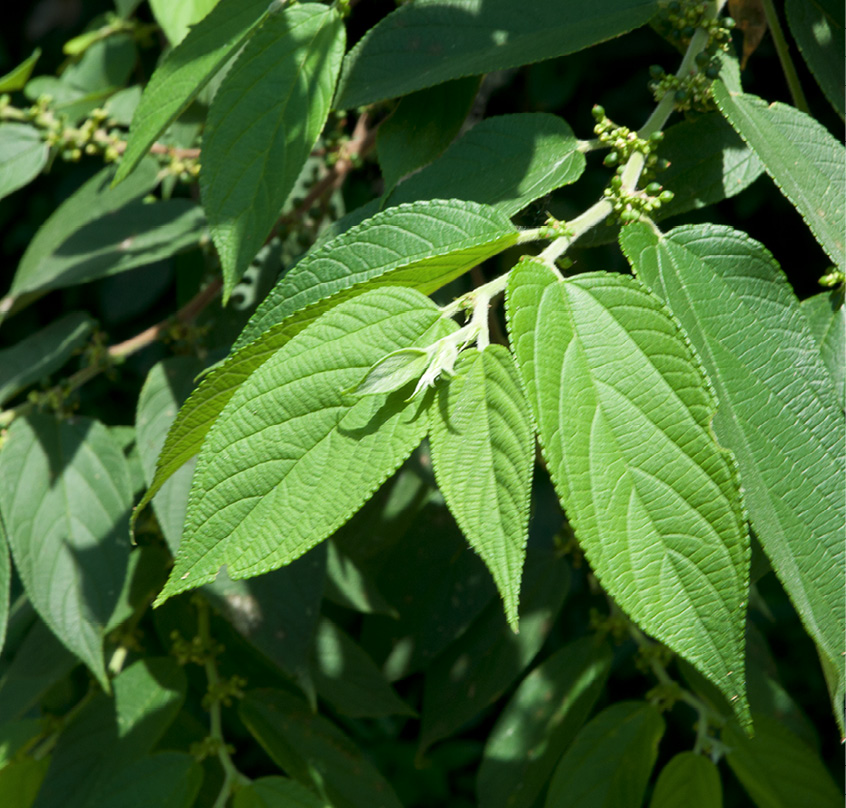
(751, 19)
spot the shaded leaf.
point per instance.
(163, 780)
(19, 782)
(5, 583)
(14, 735)
(23, 153)
(827, 318)
(623, 410)
(688, 779)
(277, 792)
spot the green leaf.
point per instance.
(827, 318)
(277, 792)
(393, 372)
(489, 657)
(804, 160)
(609, 762)
(14, 735)
(422, 126)
(167, 386)
(778, 410)
(287, 426)
(483, 453)
(777, 769)
(314, 751)
(23, 153)
(186, 70)
(623, 409)
(5, 583)
(65, 498)
(688, 779)
(817, 26)
(282, 84)
(18, 76)
(177, 19)
(540, 722)
(20, 782)
(429, 42)
(348, 678)
(111, 734)
(163, 780)
(38, 355)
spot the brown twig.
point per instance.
(102, 136)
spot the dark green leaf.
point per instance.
(23, 153)
(609, 763)
(429, 42)
(687, 780)
(14, 735)
(19, 783)
(5, 582)
(540, 722)
(827, 318)
(163, 780)
(65, 497)
(18, 76)
(282, 84)
(277, 792)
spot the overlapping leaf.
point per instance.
(407, 50)
(5, 582)
(23, 153)
(778, 409)
(291, 458)
(276, 792)
(804, 160)
(624, 410)
(826, 316)
(688, 779)
(483, 451)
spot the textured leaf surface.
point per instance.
(483, 452)
(478, 667)
(778, 411)
(276, 792)
(314, 751)
(540, 722)
(777, 769)
(688, 779)
(65, 497)
(111, 733)
(290, 460)
(39, 355)
(23, 153)
(185, 71)
(624, 410)
(827, 318)
(804, 160)
(609, 762)
(163, 780)
(282, 84)
(407, 50)
(817, 26)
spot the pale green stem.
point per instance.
(783, 51)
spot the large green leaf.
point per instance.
(624, 409)
(609, 762)
(282, 85)
(777, 769)
(778, 409)
(65, 497)
(804, 160)
(817, 26)
(483, 451)
(476, 669)
(163, 780)
(177, 19)
(40, 354)
(826, 316)
(277, 792)
(430, 41)
(314, 751)
(23, 153)
(5, 582)
(186, 70)
(19, 783)
(111, 734)
(311, 455)
(688, 779)
(18, 76)
(540, 722)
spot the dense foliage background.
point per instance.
(382, 656)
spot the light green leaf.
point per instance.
(314, 751)
(623, 409)
(176, 19)
(163, 780)
(483, 453)
(688, 779)
(282, 84)
(827, 318)
(540, 722)
(429, 42)
(312, 458)
(777, 769)
(422, 126)
(804, 160)
(277, 792)
(393, 372)
(109, 735)
(65, 497)
(778, 410)
(5, 585)
(609, 762)
(20, 782)
(186, 70)
(40, 354)
(18, 76)
(476, 669)
(348, 678)
(817, 26)
(23, 153)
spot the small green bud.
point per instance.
(628, 215)
(666, 196)
(611, 159)
(598, 112)
(713, 73)
(616, 181)
(656, 71)
(729, 23)
(680, 96)
(656, 137)
(653, 188)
